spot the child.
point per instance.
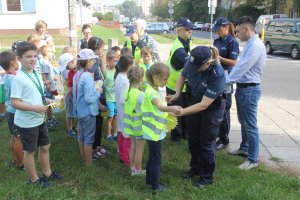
(96, 45)
(8, 60)
(68, 62)
(27, 96)
(126, 50)
(154, 121)
(49, 78)
(122, 84)
(117, 49)
(133, 119)
(85, 101)
(146, 53)
(111, 124)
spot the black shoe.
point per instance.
(42, 182)
(202, 184)
(54, 176)
(221, 146)
(189, 174)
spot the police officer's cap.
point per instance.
(221, 21)
(198, 56)
(184, 22)
(130, 30)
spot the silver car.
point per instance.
(158, 28)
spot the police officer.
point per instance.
(206, 79)
(133, 44)
(179, 53)
(229, 50)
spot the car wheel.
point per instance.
(295, 52)
(269, 48)
(165, 32)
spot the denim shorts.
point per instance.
(87, 128)
(10, 120)
(112, 109)
(33, 137)
(69, 106)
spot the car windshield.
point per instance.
(298, 25)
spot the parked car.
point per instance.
(198, 26)
(157, 28)
(206, 27)
(263, 20)
(284, 35)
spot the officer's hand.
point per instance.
(171, 98)
(176, 110)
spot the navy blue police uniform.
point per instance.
(228, 48)
(204, 126)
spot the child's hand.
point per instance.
(171, 98)
(102, 108)
(40, 109)
(100, 90)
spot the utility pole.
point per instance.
(72, 24)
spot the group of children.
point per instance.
(126, 89)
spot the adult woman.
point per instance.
(179, 53)
(229, 50)
(87, 34)
(41, 27)
(206, 80)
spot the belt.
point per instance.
(244, 85)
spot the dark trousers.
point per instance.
(153, 164)
(98, 132)
(225, 125)
(204, 128)
(181, 131)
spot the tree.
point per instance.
(160, 9)
(130, 9)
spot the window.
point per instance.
(160, 26)
(291, 27)
(17, 6)
(13, 5)
(271, 26)
(280, 27)
(298, 25)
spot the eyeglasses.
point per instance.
(87, 33)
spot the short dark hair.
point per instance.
(23, 47)
(126, 50)
(95, 43)
(116, 48)
(124, 63)
(85, 26)
(245, 20)
(6, 57)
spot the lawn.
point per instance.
(169, 38)
(107, 178)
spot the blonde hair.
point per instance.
(39, 24)
(70, 50)
(156, 69)
(214, 55)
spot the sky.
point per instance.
(112, 2)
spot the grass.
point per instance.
(108, 179)
(169, 38)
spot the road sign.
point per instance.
(170, 4)
(212, 3)
(171, 11)
(212, 10)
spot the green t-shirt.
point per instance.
(110, 85)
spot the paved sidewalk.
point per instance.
(279, 127)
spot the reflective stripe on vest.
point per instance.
(174, 74)
(154, 121)
(132, 120)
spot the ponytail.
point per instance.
(231, 29)
(214, 55)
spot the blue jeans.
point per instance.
(247, 103)
(153, 164)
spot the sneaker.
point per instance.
(102, 150)
(110, 139)
(50, 123)
(115, 138)
(72, 133)
(220, 146)
(99, 154)
(43, 182)
(54, 176)
(95, 156)
(247, 165)
(238, 152)
(54, 121)
(160, 188)
(138, 173)
(202, 184)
